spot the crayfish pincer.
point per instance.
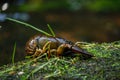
(41, 44)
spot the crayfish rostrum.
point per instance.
(40, 44)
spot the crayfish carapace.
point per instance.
(40, 44)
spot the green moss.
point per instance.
(105, 65)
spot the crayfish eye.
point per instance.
(69, 42)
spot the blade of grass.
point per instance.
(40, 67)
(53, 74)
(51, 30)
(28, 25)
(13, 54)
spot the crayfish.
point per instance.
(41, 44)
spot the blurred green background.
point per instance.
(75, 20)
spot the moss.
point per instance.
(105, 65)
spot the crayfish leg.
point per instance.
(61, 49)
(37, 53)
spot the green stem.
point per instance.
(26, 24)
(51, 30)
(13, 54)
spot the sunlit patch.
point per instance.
(20, 73)
(5, 6)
